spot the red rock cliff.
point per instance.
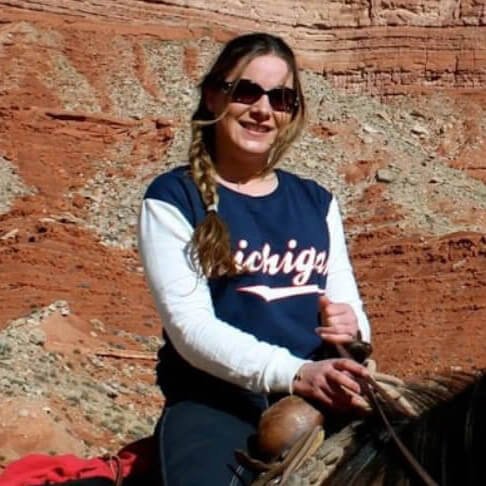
(374, 46)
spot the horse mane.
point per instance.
(447, 437)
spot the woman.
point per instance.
(248, 268)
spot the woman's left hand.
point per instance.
(339, 324)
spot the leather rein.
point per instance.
(373, 390)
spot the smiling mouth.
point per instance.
(253, 127)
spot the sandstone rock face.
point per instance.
(95, 98)
(371, 46)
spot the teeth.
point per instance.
(255, 128)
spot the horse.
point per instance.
(447, 437)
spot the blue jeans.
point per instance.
(197, 444)
(204, 421)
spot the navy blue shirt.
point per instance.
(282, 240)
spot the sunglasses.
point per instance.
(247, 92)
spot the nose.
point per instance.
(261, 110)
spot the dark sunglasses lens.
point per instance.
(282, 99)
(246, 92)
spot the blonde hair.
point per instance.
(210, 247)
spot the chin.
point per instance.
(256, 147)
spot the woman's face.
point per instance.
(247, 132)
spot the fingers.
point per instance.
(324, 301)
(352, 367)
(341, 317)
(332, 382)
(358, 401)
(330, 310)
(336, 335)
(339, 378)
(338, 321)
(335, 396)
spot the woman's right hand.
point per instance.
(332, 382)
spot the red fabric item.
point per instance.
(38, 469)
